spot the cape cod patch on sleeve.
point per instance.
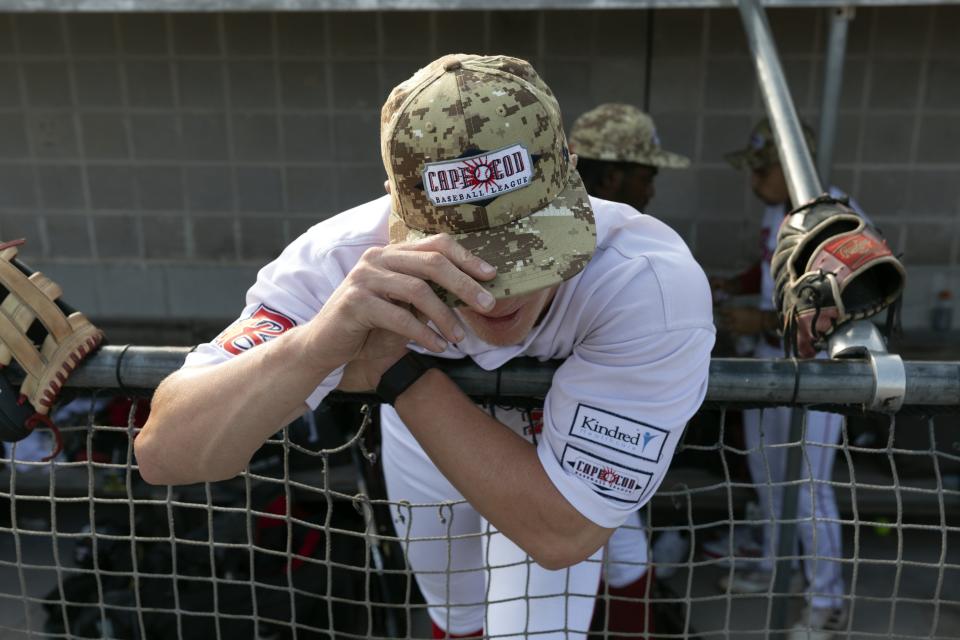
(477, 177)
(607, 478)
(263, 325)
(619, 433)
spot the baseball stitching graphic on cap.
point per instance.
(478, 177)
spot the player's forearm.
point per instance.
(206, 422)
(498, 472)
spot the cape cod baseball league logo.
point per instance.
(619, 433)
(265, 324)
(478, 177)
(607, 478)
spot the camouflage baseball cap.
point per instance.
(761, 149)
(474, 147)
(621, 133)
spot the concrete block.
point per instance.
(731, 83)
(353, 33)
(306, 137)
(311, 189)
(48, 84)
(943, 84)
(112, 187)
(6, 34)
(78, 281)
(901, 30)
(13, 136)
(159, 188)
(22, 225)
(208, 291)
(676, 195)
(61, 186)
(259, 189)
(68, 236)
(723, 134)
(929, 243)
(92, 33)
(303, 85)
(393, 72)
(934, 193)
(204, 137)
(621, 33)
(713, 248)
(248, 34)
(149, 83)
(200, 84)
(40, 33)
(858, 31)
(894, 83)
(356, 85)
(357, 137)
(17, 188)
(53, 134)
(164, 237)
(131, 290)
(196, 34)
(726, 33)
(155, 136)
(98, 83)
(10, 96)
(301, 34)
(886, 138)
(461, 31)
(677, 132)
(255, 137)
(252, 83)
(883, 192)
(617, 80)
(567, 33)
(406, 33)
(570, 82)
(359, 184)
(104, 136)
(262, 238)
(117, 237)
(799, 72)
(296, 225)
(946, 26)
(515, 33)
(209, 188)
(675, 84)
(678, 32)
(721, 193)
(794, 29)
(143, 33)
(214, 238)
(851, 93)
(848, 139)
(939, 139)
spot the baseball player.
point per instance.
(618, 156)
(819, 526)
(488, 248)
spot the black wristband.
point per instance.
(401, 375)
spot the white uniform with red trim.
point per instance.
(819, 527)
(635, 331)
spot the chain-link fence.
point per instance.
(304, 544)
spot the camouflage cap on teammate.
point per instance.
(621, 133)
(474, 147)
(761, 149)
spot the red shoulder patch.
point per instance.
(265, 324)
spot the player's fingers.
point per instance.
(467, 262)
(436, 267)
(399, 320)
(417, 293)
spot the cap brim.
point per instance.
(745, 160)
(541, 250)
(669, 160)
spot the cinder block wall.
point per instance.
(155, 161)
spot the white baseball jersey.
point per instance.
(634, 328)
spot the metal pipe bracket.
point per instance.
(862, 340)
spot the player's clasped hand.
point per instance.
(389, 289)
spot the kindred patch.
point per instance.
(607, 478)
(263, 325)
(618, 433)
(478, 177)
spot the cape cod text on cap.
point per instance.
(474, 147)
(621, 133)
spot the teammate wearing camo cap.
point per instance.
(485, 213)
(619, 154)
